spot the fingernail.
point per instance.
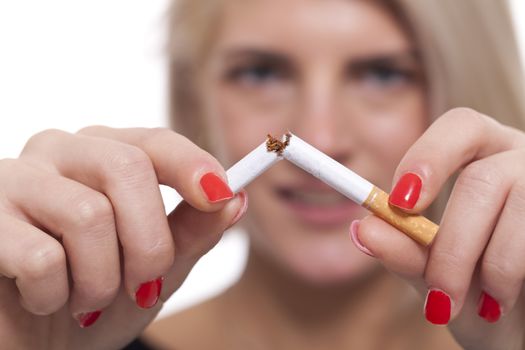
(215, 188)
(88, 318)
(354, 226)
(488, 308)
(243, 196)
(437, 307)
(148, 293)
(406, 192)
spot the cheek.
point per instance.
(389, 135)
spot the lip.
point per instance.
(326, 215)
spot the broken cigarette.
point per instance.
(334, 174)
(251, 166)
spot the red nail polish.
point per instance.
(489, 308)
(215, 188)
(437, 307)
(406, 192)
(88, 318)
(148, 293)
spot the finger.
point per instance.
(395, 250)
(195, 233)
(82, 219)
(452, 141)
(125, 174)
(37, 263)
(502, 268)
(177, 161)
(468, 222)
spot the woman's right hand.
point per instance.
(83, 229)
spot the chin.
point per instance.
(316, 254)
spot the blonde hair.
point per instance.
(470, 56)
(467, 47)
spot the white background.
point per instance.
(70, 63)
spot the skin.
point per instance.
(77, 210)
(312, 92)
(287, 69)
(264, 73)
(63, 184)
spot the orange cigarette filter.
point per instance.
(415, 226)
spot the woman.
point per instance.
(370, 83)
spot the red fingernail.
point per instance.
(148, 293)
(215, 188)
(354, 226)
(437, 307)
(406, 192)
(489, 308)
(88, 318)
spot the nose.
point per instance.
(319, 117)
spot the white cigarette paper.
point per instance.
(333, 174)
(250, 167)
(306, 157)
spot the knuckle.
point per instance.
(442, 266)
(43, 307)
(477, 124)
(162, 134)
(91, 209)
(451, 259)
(465, 112)
(42, 261)
(129, 162)
(499, 269)
(41, 138)
(159, 253)
(90, 130)
(166, 136)
(468, 115)
(99, 294)
(478, 178)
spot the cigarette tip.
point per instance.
(275, 145)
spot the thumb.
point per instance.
(196, 232)
(395, 250)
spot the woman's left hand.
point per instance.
(473, 273)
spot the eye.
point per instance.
(256, 74)
(384, 72)
(385, 75)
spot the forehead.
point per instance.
(309, 26)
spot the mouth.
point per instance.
(312, 198)
(318, 206)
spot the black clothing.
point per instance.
(137, 344)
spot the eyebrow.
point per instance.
(267, 55)
(402, 56)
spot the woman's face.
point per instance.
(342, 75)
